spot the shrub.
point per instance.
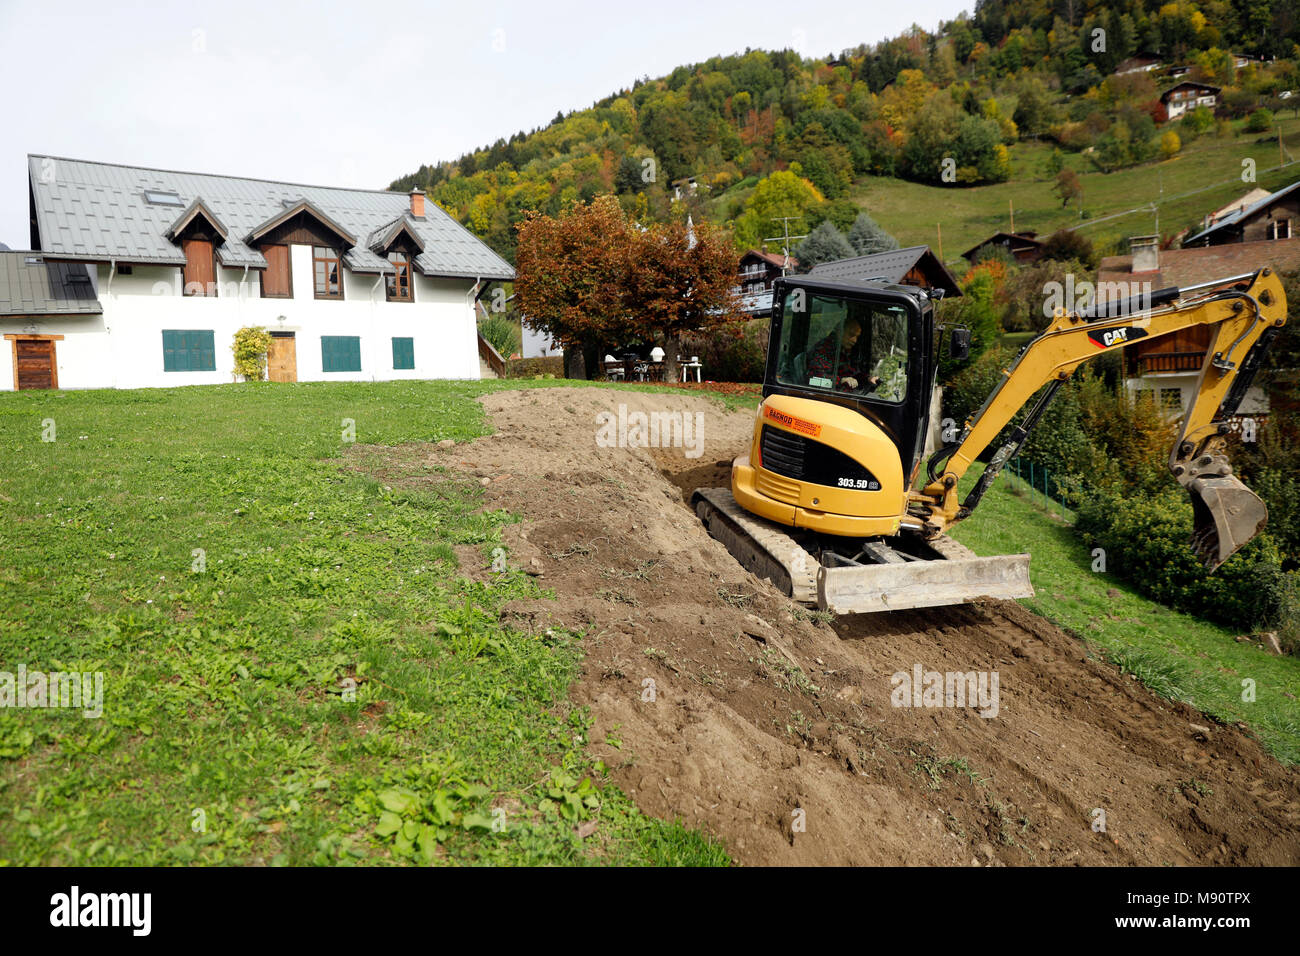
(501, 331)
(1146, 542)
(1260, 121)
(250, 347)
(732, 353)
(552, 365)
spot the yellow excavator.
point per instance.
(827, 503)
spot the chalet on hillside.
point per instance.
(758, 270)
(1022, 246)
(1239, 204)
(1170, 364)
(1188, 95)
(915, 265)
(1276, 216)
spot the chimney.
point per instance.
(1146, 253)
(417, 202)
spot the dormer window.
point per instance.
(328, 272)
(399, 284)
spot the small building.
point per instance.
(1169, 365)
(1275, 216)
(915, 265)
(758, 270)
(1188, 95)
(1021, 246)
(33, 294)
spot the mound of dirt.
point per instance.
(719, 701)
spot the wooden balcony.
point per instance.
(1169, 362)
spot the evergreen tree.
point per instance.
(867, 237)
(824, 244)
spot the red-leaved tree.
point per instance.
(591, 279)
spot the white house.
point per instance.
(1186, 96)
(141, 277)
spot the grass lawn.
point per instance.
(206, 550)
(1177, 655)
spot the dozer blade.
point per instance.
(955, 579)
(1226, 515)
(954, 575)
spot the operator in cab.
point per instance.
(842, 365)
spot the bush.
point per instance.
(733, 353)
(250, 347)
(552, 365)
(1146, 540)
(502, 332)
(1260, 121)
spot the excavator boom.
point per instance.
(1243, 314)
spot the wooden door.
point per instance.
(34, 364)
(282, 358)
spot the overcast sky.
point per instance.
(360, 93)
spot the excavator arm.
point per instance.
(1244, 314)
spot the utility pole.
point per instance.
(784, 239)
(939, 226)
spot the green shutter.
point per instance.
(340, 353)
(189, 350)
(403, 353)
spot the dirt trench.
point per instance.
(718, 701)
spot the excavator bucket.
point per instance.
(1226, 515)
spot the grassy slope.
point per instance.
(222, 686)
(911, 211)
(1177, 655)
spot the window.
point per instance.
(189, 350)
(125, 270)
(276, 280)
(399, 285)
(340, 353)
(329, 281)
(403, 353)
(1171, 399)
(200, 271)
(162, 197)
(841, 345)
(1279, 229)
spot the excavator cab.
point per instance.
(846, 409)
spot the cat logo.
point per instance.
(1126, 333)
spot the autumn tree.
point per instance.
(1068, 187)
(680, 279)
(591, 279)
(569, 274)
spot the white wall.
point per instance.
(123, 347)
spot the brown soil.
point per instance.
(760, 710)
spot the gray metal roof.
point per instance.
(97, 211)
(44, 288)
(891, 266)
(1245, 213)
